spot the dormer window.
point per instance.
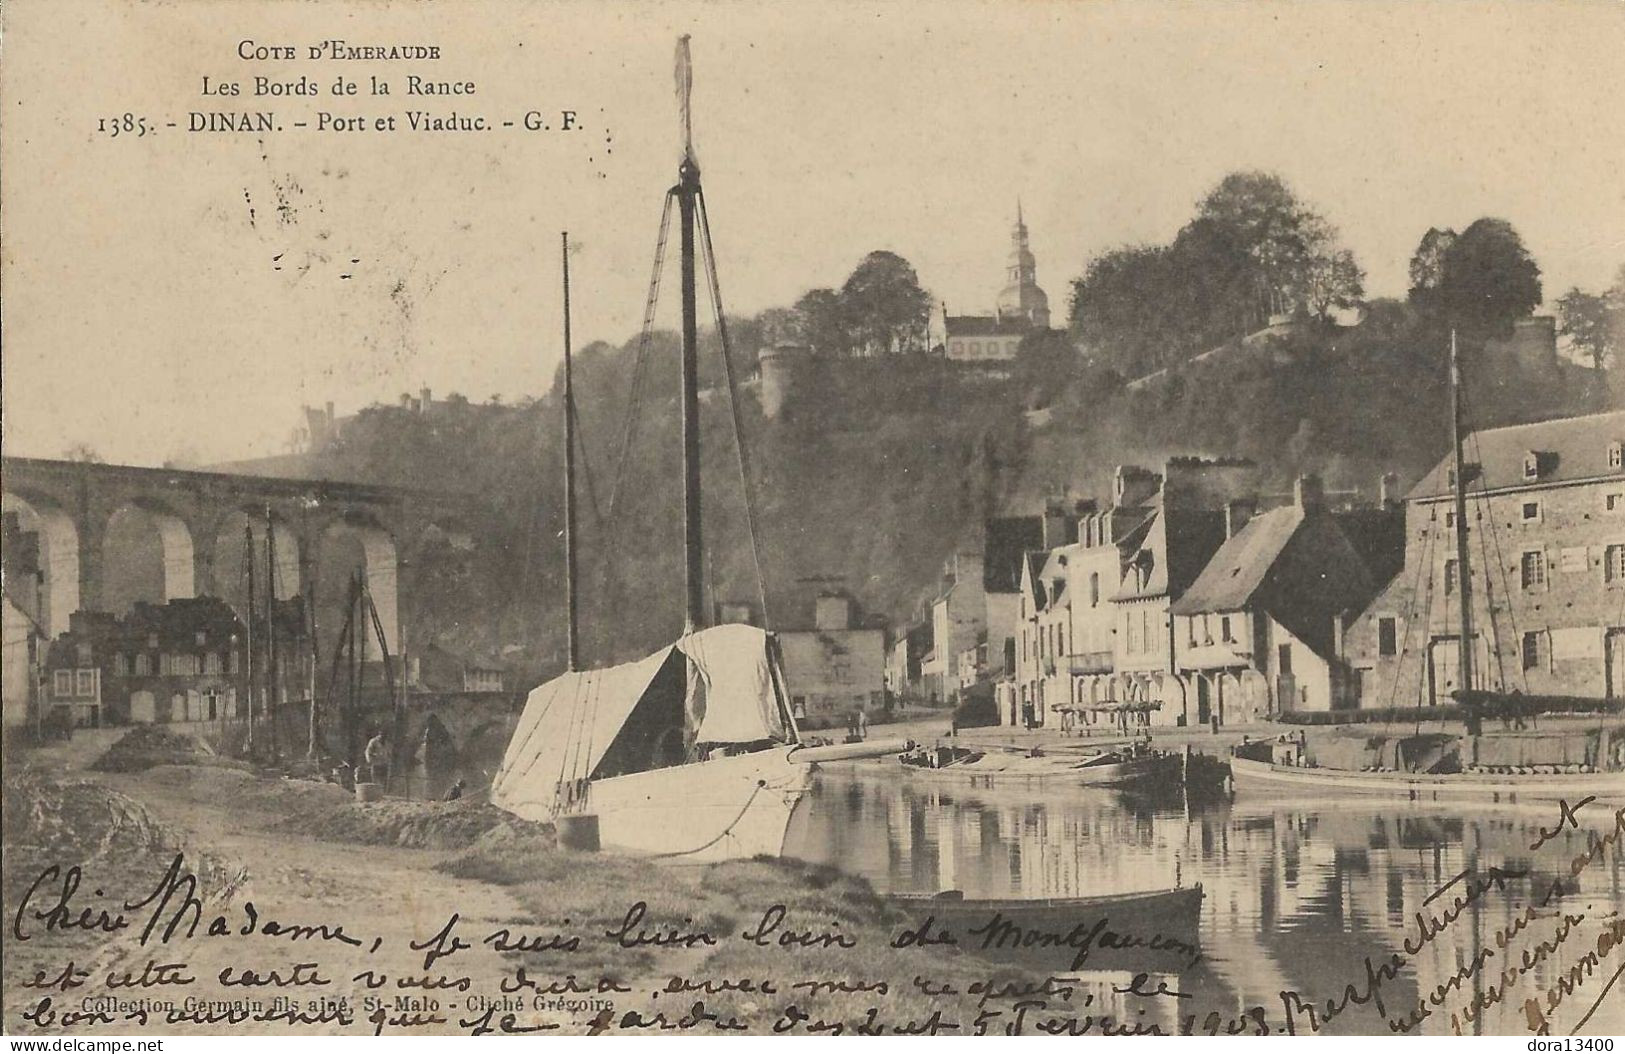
(1616, 455)
(1537, 463)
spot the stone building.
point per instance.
(958, 621)
(182, 661)
(1005, 542)
(1260, 631)
(24, 621)
(836, 667)
(1546, 569)
(1161, 558)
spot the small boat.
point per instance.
(1152, 929)
(990, 769)
(1416, 786)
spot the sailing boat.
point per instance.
(692, 752)
(1248, 766)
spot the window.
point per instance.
(1613, 564)
(86, 683)
(1094, 590)
(1613, 502)
(1531, 651)
(1531, 465)
(1387, 636)
(1224, 630)
(1534, 569)
(62, 684)
(143, 664)
(1449, 577)
(82, 651)
(211, 664)
(121, 665)
(1616, 455)
(1192, 621)
(1529, 512)
(1449, 519)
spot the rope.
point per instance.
(640, 366)
(733, 405)
(726, 831)
(1495, 537)
(1410, 617)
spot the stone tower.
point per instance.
(782, 367)
(1021, 298)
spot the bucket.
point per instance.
(368, 791)
(578, 832)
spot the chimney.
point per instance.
(1059, 527)
(1338, 630)
(1386, 488)
(1237, 513)
(424, 401)
(1307, 493)
(1083, 528)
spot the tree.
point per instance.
(780, 325)
(822, 321)
(1332, 279)
(1270, 225)
(1595, 322)
(1488, 279)
(1427, 267)
(884, 304)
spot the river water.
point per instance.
(1298, 893)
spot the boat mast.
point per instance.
(1464, 578)
(572, 640)
(687, 192)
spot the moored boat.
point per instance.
(1480, 786)
(693, 751)
(994, 770)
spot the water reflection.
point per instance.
(1298, 894)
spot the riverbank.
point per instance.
(460, 915)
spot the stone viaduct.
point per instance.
(203, 523)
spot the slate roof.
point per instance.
(1237, 570)
(1571, 448)
(987, 326)
(1007, 538)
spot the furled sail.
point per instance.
(570, 723)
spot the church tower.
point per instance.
(1021, 299)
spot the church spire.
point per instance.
(1021, 297)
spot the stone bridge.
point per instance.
(114, 534)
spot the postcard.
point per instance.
(891, 519)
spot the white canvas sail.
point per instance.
(570, 722)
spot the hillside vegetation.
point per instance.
(883, 465)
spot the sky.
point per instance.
(182, 295)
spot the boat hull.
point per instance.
(726, 808)
(1473, 786)
(994, 773)
(1152, 930)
